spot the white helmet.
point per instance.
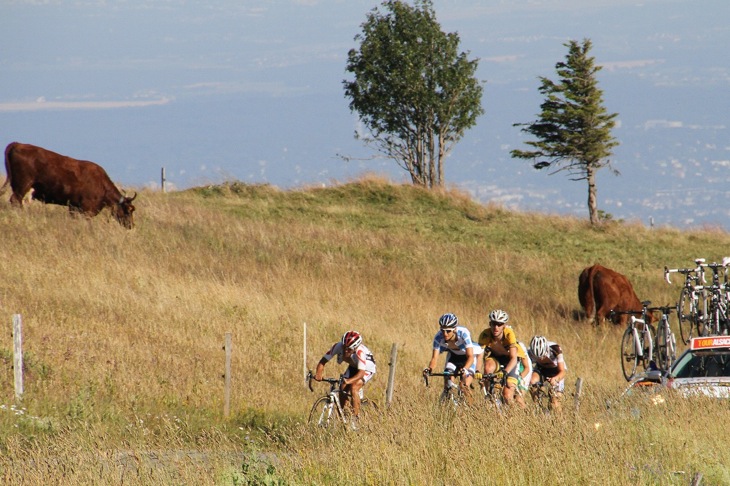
(539, 346)
(498, 315)
(448, 321)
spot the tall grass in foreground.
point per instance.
(123, 333)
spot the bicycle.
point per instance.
(691, 298)
(453, 393)
(717, 315)
(492, 386)
(665, 345)
(329, 404)
(543, 394)
(637, 345)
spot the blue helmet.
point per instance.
(448, 321)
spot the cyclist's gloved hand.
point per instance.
(426, 371)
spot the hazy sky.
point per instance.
(252, 91)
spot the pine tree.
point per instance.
(573, 130)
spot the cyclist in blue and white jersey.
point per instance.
(360, 367)
(461, 358)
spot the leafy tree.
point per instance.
(573, 130)
(412, 89)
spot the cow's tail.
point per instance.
(8, 150)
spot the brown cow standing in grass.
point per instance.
(601, 290)
(83, 186)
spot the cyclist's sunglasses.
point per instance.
(496, 324)
(447, 329)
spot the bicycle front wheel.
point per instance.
(648, 338)
(629, 356)
(663, 359)
(324, 413)
(687, 315)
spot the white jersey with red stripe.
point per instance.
(551, 361)
(361, 359)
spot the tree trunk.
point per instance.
(592, 202)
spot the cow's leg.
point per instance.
(16, 200)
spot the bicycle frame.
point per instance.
(330, 402)
(637, 345)
(717, 315)
(665, 344)
(452, 392)
(492, 386)
(692, 315)
(542, 393)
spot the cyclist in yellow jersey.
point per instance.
(501, 348)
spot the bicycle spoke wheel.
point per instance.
(662, 348)
(324, 413)
(686, 315)
(629, 358)
(543, 398)
(671, 349)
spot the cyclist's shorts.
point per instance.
(549, 373)
(512, 378)
(351, 370)
(454, 361)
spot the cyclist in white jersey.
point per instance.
(462, 352)
(548, 364)
(360, 367)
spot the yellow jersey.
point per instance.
(500, 347)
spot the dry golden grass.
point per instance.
(123, 335)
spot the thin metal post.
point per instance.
(391, 374)
(304, 356)
(227, 391)
(163, 180)
(18, 355)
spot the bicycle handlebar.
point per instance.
(331, 381)
(666, 309)
(687, 271)
(435, 373)
(628, 312)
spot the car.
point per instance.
(703, 369)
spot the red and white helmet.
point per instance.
(351, 340)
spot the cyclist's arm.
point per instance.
(469, 358)
(512, 360)
(434, 357)
(320, 369)
(561, 373)
(357, 376)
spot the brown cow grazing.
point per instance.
(601, 290)
(83, 186)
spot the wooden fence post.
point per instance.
(163, 180)
(227, 391)
(391, 374)
(578, 391)
(18, 355)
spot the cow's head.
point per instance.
(124, 211)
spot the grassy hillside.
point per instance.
(123, 335)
